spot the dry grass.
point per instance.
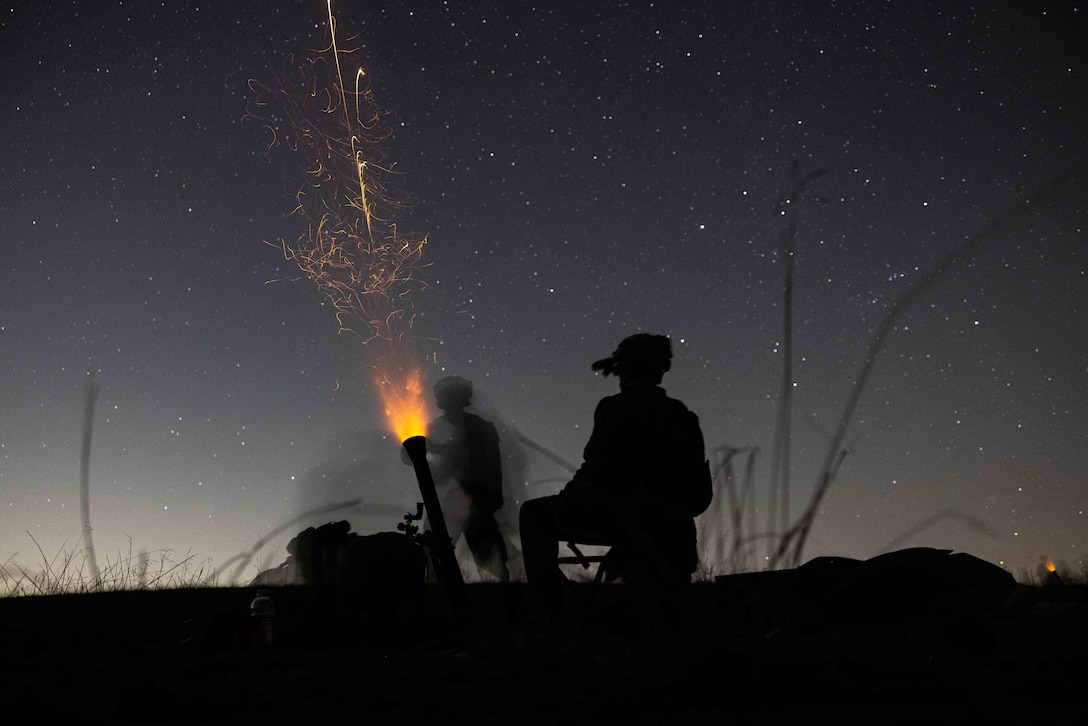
(69, 572)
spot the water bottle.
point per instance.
(261, 612)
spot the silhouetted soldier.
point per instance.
(643, 478)
(467, 465)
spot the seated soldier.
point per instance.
(642, 480)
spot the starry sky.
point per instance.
(583, 172)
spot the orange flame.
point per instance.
(1050, 566)
(405, 411)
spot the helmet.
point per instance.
(639, 354)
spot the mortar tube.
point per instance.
(447, 569)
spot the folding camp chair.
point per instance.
(650, 577)
(577, 557)
(585, 562)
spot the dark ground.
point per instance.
(748, 650)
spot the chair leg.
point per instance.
(591, 612)
(587, 602)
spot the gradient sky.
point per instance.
(583, 172)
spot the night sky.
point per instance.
(583, 171)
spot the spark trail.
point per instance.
(351, 249)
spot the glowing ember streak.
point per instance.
(351, 249)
